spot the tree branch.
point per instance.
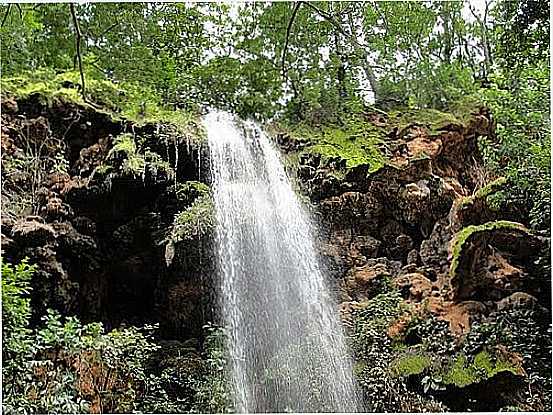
(78, 48)
(107, 30)
(288, 30)
(6, 15)
(368, 68)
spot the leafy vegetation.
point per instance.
(65, 366)
(315, 62)
(195, 220)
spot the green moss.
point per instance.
(466, 234)
(194, 221)
(126, 101)
(52, 88)
(485, 192)
(410, 364)
(461, 373)
(433, 119)
(359, 367)
(458, 370)
(357, 142)
(491, 187)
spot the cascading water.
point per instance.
(286, 343)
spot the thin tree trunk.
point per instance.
(78, 37)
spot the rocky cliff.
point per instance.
(440, 280)
(443, 289)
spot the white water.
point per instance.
(286, 343)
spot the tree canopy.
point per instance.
(307, 61)
(261, 57)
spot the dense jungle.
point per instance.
(415, 135)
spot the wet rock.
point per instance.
(433, 251)
(414, 200)
(486, 261)
(413, 257)
(364, 282)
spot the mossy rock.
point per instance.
(195, 221)
(464, 237)
(458, 370)
(491, 195)
(122, 101)
(434, 120)
(355, 143)
(411, 363)
(461, 373)
(125, 158)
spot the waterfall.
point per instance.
(286, 343)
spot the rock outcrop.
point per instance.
(93, 201)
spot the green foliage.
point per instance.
(373, 349)
(430, 86)
(188, 191)
(523, 35)
(522, 152)
(381, 360)
(195, 382)
(194, 221)
(64, 366)
(212, 392)
(15, 302)
(480, 354)
(134, 160)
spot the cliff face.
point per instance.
(428, 258)
(444, 291)
(106, 208)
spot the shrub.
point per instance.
(64, 366)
